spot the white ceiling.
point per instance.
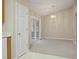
(44, 7)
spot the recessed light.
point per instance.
(53, 16)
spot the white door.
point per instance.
(21, 29)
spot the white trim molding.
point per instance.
(57, 38)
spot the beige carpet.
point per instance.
(32, 55)
(63, 48)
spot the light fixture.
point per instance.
(53, 16)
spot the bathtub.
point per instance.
(32, 55)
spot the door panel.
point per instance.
(21, 29)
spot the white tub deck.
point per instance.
(32, 55)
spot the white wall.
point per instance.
(60, 27)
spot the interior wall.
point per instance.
(60, 27)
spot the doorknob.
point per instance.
(19, 33)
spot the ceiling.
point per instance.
(45, 7)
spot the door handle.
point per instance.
(19, 33)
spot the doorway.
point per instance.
(35, 29)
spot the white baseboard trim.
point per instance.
(57, 38)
